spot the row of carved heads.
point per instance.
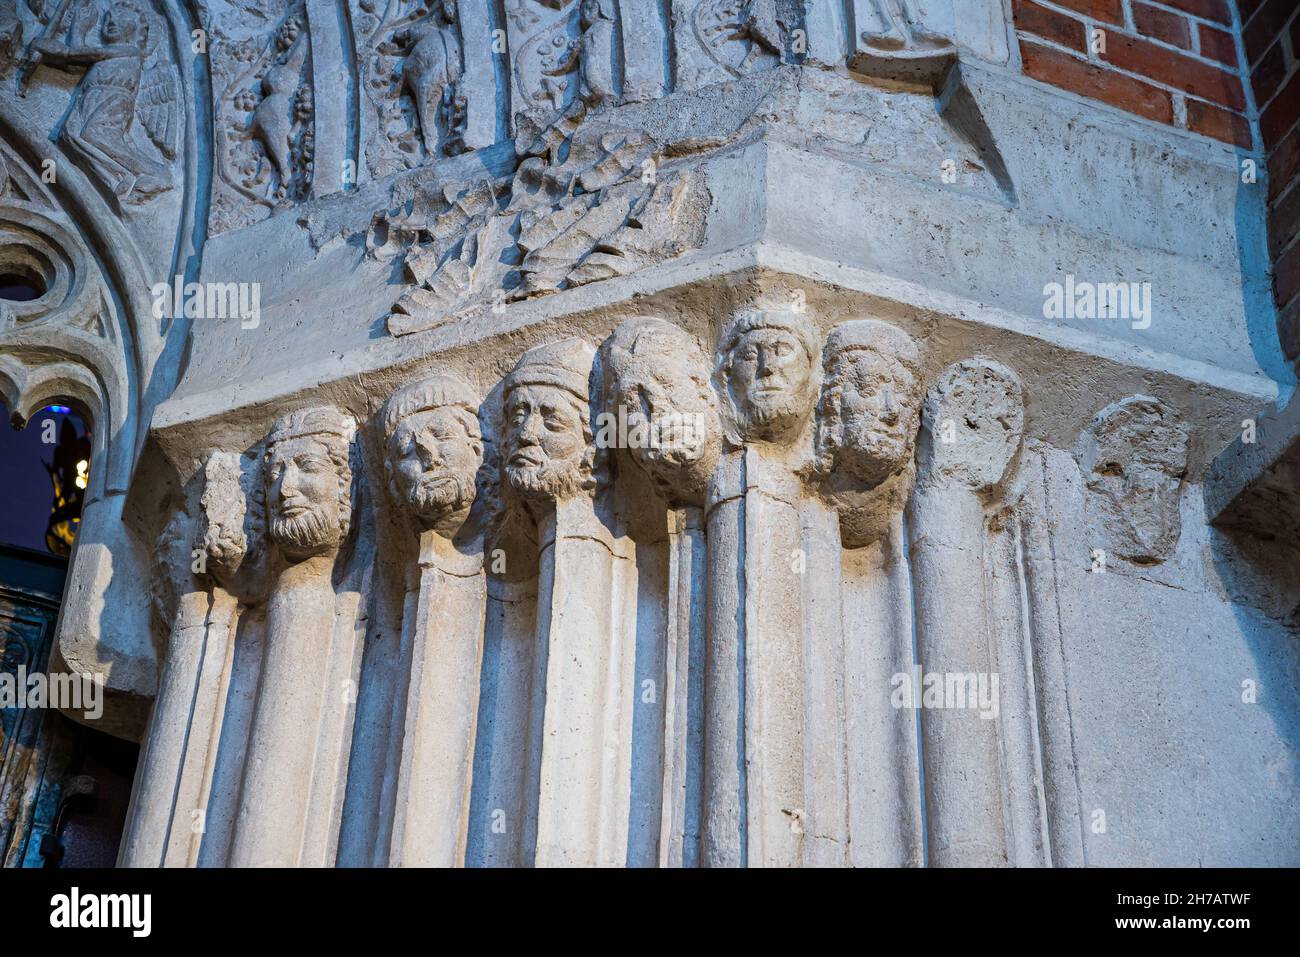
(652, 391)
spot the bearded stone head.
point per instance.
(549, 450)
(433, 449)
(870, 404)
(766, 373)
(657, 381)
(308, 478)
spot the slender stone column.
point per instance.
(167, 821)
(433, 787)
(585, 626)
(766, 374)
(683, 771)
(433, 449)
(309, 502)
(971, 435)
(867, 418)
(659, 401)
(153, 805)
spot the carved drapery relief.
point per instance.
(1134, 457)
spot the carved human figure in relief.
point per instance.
(1134, 458)
(549, 449)
(431, 76)
(433, 449)
(766, 374)
(596, 51)
(116, 90)
(284, 100)
(867, 421)
(308, 478)
(657, 382)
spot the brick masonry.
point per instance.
(1172, 61)
(1270, 31)
(1177, 62)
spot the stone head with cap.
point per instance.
(308, 475)
(657, 381)
(870, 406)
(433, 448)
(548, 447)
(766, 374)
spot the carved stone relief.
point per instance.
(766, 373)
(433, 450)
(657, 382)
(867, 420)
(1134, 457)
(548, 444)
(604, 210)
(125, 117)
(411, 58)
(262, 112)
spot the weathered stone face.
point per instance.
(768, 375)
(1134, 457)
(658, 380)
(975, 420)
(876, 407)
(546, 442)
(433, 457)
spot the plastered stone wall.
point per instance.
(588, 433)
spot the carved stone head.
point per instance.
(124, 23)
(974, 420)
(766, 373)
(1134, 457)
(309, 481)
(549, 449)
(433, 448)
(657, 383)
(223, 509)
(870, 403)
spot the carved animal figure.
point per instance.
(433, 69)
(273, 115)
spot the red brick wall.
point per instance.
(1271, 37)
(1172, 61)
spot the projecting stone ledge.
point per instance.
(1255, 485)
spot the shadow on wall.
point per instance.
(1261, 578)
